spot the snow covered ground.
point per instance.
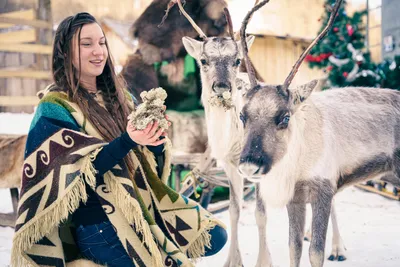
(15, 123)
(369, 225)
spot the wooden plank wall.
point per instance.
(274, 58)
(119, 10)
(21, 75)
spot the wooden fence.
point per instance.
(25, 38)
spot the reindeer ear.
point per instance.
(300, 93)
(249, 40)
(192, 46)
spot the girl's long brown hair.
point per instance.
(110, 123)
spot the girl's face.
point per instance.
(93, 51)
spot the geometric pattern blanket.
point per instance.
(156, 225)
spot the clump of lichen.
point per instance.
(151, 110)
(224, 100)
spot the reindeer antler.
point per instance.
(234, 35)
(316, 40)
(250, 70)
(229, 20)
(197, 28)
(170, 5)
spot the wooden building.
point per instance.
(283, 29)
(390, 28)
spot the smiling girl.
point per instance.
(91, 187)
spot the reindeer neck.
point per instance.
(222, 129)
(278, 186)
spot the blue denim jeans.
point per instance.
(100, 243)
(218, 240)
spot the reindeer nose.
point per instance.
(248, 169)
(221, 87)
(254, 163)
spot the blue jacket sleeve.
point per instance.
(156, 150)
(113, 153)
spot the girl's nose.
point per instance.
(97, 50)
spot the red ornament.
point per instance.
(359, 63)
(309, 58)
(350, 29)
(325, 55)
(336, 29)
(345, 74)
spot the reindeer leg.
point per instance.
(321, 206)
(235, 205)
(264, 256)
(338, 247)
(297, 218)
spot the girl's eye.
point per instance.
(86, 44)
(102, 43)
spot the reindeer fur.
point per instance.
(12, 157)
(164, 43)
(225, 134)
(138, 75)
(165, 40)
(224, 129)
(333, 139)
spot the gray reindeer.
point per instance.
(220, 59)
(304, 147)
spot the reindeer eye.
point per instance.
(237, 63)
(283, 124)
(203, 61)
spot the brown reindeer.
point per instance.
(12, 156)
(157, 43)
(304, 147)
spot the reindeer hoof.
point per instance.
(338, 258)
(306, 239)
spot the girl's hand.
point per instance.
(148, 136)
(166, 116)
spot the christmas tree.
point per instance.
(342, 52)
(390, 70)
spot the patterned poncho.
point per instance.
(156, 225)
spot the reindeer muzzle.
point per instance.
(221, 87)
(248, 169)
